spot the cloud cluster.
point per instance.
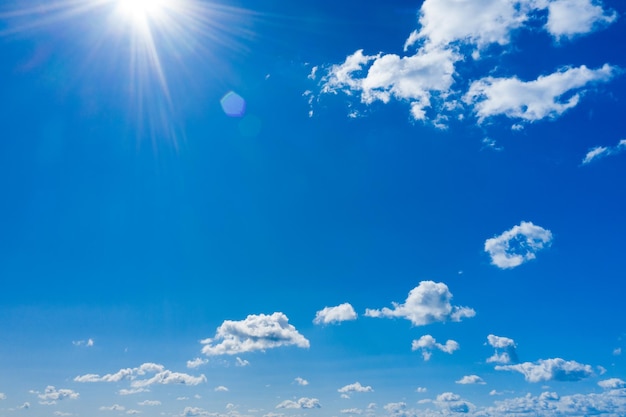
(355, 387)
(505, 349)
(160, 376)
(255, 332)
(427, 344)
(599, 152)
(556, 369)
(427, 303)
(332, 315)
(51, 395)
(517, 245)
(304, 402)
(426, 79)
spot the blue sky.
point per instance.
(326, 209)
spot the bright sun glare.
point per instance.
(140, 10)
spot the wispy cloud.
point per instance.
(304, 402)
(427, 344)
(355, 387)
(603, 151)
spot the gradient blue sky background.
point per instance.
(419, 210)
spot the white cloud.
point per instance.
(241, 362)
(3, 396)
(498, 342)
(612, 383)
(351, 411)
(470, 379)
(256, 332)
(517, 245)
(161, 376)
(427, 303)
(150, 403)
(550, 370)
(617, 351)
(132, 391)
(304, 402)
(122, 374)
(196, 363)
(355, 387)
(331, 315)
(604, 151)
(131, 411)
(195, 412)
(51, 395)
(569, 18)
(421, 389)
(221, 388)
(86, 343)
(62, 414)
(427, 344)
(114, 407)
(546, 97)
(301, 381)
(167, 377)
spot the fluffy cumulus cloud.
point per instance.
(304, 402)
(505, 349)
(599, 152)
(427, 344)
(51, 395)
(255, 332)
(569, 18)
(331, 315)
(548, 96)
(550, 370)
(612, 383)
(470, 379)
(356, 387)
(517, 245)
(427, 303)
(197, 362)
(143, 376)
(426, 77)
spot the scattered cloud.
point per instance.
(304, 402)
(2, 396)
(332, 315)
(603, 151)
(617, 351)
(427, 303)
(505, 349)
(470, 379)
(548, 96)
(550, 370)
(356, 387)
(421, 389)
(150, 403)
(161, 376)
(256, 332)
(241, 362)
(221, 388)
(517, 245)
(86, 343)
(51, 395)
(196, 363)
(114, 407)
(612, 383)
(427, 344)
(570, 18)
(195, 412)
(301, 381)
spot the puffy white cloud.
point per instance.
(122, 374)
(498, 342)
(167, 377)
(612, 383)
(114, 407)
(303, 402)
(427, 303)
(256, 332)
(569, 18)
(161, 376)
(196, 363)
(330, 315)
(301, 381)
(604, 151)
(546, 97)
(470, 379)
(356, 387)
(517, 245)
(221, 388)
(427, 344)
(51, 395)
(555, 369)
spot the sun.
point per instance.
(139, 11)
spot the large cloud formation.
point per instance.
(427, 303)
(518, 245)
(255, 332)
(427, 78)
(556, 369)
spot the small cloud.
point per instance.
(114, 407)
(85, 343)
(603, 151)
(500, 343)
(2, 396)
(51, 395)
(332, 315)
(617, 351)
(196, 363)
(301, 381)
(241, 362)
(470, 379)
(517, 245)
(304, 403)
(427, 344)
(421, 390)
(221, 388)
(356, 387)
(150, 403)
(612, 383)
(555, 369)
